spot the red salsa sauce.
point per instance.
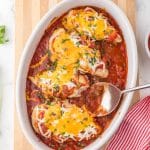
(115, 58)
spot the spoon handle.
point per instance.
(136, 88)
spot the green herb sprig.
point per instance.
(3, 39)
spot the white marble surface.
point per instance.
(6, 76)
(7, 65)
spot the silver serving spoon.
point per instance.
(112, 95)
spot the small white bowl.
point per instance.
(29, 50)
(146, 43)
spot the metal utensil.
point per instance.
(112, 95)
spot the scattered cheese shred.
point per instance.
(40, 62)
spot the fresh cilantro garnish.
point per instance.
(63, 133)
(77, 63)
(61, 112)
(85, 119)
(92, 61)
(53, 65)
(48, 102)
(49, 53)
(78, 43)
(94, 25)
(64, 67)
(91, 18)
(81, 144)
(89, 25)
(40, 96)
(3, 39)
(56, 87)
(55, 130)
(64, 40)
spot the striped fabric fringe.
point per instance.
(134, 132)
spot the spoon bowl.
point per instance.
(111, 97)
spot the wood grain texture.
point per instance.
(128, 6)
(28, 14)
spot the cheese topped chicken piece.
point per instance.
(91, 23)
(70, 57)
(64, 121)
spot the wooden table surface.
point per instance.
(28, 14)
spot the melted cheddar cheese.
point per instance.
(68, 121)
(88, 21)
(70, 56)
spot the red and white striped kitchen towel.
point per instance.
(134, 132)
